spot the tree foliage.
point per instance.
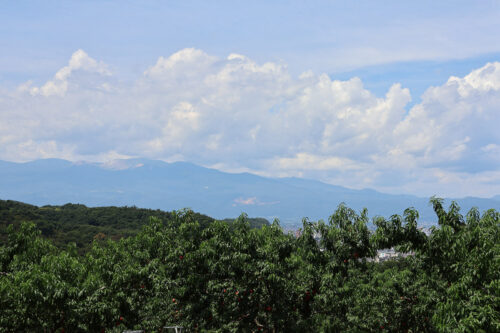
(229, 277)
(76, 223)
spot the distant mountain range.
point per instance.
(168, 186)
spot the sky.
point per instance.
(398, 96)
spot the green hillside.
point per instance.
(75, 223)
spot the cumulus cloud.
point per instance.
(59, 84)
(237, 114)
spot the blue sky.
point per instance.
(325, 36)
(226, 84)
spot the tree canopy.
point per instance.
(233, 278)
(76, 223)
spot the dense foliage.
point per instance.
(239, 279)
(75, 223)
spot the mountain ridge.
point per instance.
(168, 186)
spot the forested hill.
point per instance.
(231, 278)
(81, 224)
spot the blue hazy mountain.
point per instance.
(168, 186)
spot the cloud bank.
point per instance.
(235, 114)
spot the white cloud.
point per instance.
(492, 148)
(187, 60)
(453, 120)
(237, 114)
(305, 161)
(484, 79)
(246, 201)
(59, 84)
(252, 201)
